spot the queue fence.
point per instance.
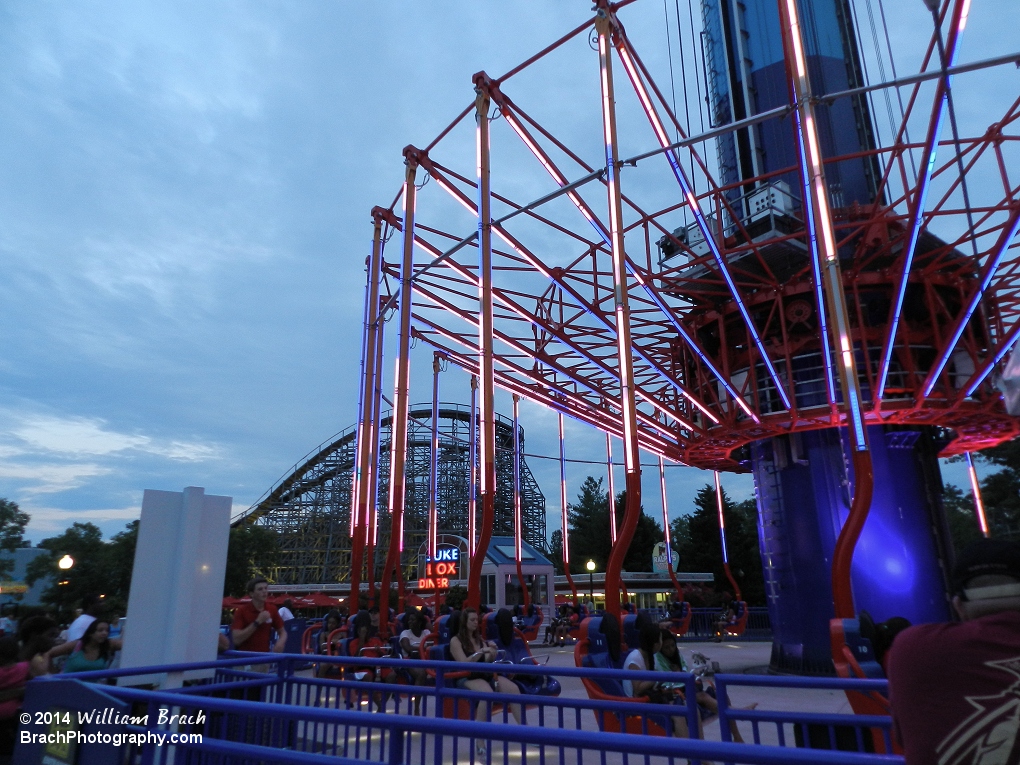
(284, 716)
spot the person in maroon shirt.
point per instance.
(955, 687)
(254, 622)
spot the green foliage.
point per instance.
(556, 551)
(455, 597)
(589, 531)
(253, 551)
(963, 526)
(12, 529)
(1000, 491)
(696, 539)
(100, 568)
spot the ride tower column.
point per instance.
(401, 404)
(367, 416)
(850, 518)
(632, 461)
(487, 409)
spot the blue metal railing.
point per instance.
(282, 717)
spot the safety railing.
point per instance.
(862, 733)
(244, 709)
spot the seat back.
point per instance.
(447, 626)
(489, 629)
(861, 661)
(631, 636)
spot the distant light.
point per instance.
(65, 563)
(591, 565)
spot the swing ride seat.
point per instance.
(457, 709)
(532, 623)
(306, 637)
(518, 652)
(631, 637)
(592, 651)
(679, 625)
(854, 658)
(739, 623)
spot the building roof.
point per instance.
(502, 553)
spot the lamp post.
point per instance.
(65, 563)
(591, 579)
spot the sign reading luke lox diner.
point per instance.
(441, 570)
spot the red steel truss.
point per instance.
(726, 340)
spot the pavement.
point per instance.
(749, 658)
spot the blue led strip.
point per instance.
(815, 269)
(1007, 344)
(923, 184)
(1002, 245)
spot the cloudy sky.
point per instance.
(184, 218)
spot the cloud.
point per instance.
(46, 521)
(74, 435)
(50, 478)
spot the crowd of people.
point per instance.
(39, 645)
(954, 687)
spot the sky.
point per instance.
(184, 219)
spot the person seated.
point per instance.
(728, 617)
(410, 647)
(93, 652)
(321, 643)
(362, 644)
(669, 659)
(953, 686)
(468, 646)
(373, 614)
(14, 675)
(642, 659)
(568, 620)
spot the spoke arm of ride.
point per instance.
(1009, 231)
(699, 216)
(927, 167)
(545, 327)
(532, 260)
(654, 295)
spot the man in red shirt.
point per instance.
(251, 628)
(955, 687)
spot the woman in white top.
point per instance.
(410, 644)
(643, 659)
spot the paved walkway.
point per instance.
(733, 658)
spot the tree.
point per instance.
(963, 526)
(589, 531)
(696, 537)
(12, 530)
(556, 550)
(89, 574)
(252, 551)
(1000, 491)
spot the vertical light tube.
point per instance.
(564, 515)
(361, 488)
(434, 466)
(371, 519)
(612, 489)
(722, 537)
(518, 519)
(979, 505)
(487, 437)
(821, 217)
(667, 535)
(473, 467)
(401, 384)
(632, 461)
(928, 154)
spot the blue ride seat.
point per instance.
(631, 635)
(847, 633)
(516, 651)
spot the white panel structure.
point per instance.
(177, 581)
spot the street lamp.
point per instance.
(65, 563)
(591, 579)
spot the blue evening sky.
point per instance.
(184, 218)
